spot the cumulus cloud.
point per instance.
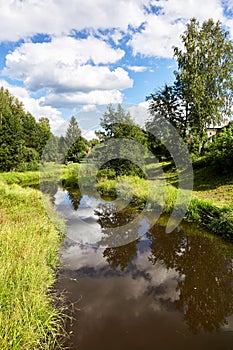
(26, 18)
(163, 31)
(139, 112)
(30, 18)
(64, 64)
(89, 108)
(229, 24)
(89, 134)
(174, 9)
(69, 70)
(72, 71)
(157, 38)
(72, 100)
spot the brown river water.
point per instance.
(160, 291)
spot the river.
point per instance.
(158, 291)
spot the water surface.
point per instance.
(160, 291)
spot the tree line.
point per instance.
(26, 142)
(200, 97)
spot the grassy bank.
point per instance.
(211, 203)
(49, 171)
(29, 244)
(20, 177)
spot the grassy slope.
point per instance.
(208, 185)
(211, 203)
(29, 243)
(213, 186)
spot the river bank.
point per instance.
(29, 242)
(211, 203)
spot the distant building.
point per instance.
(212, 130)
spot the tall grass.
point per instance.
(29, 245)
(70, 174)
(47, 171)
(20, 177)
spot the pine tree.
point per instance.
(76, 145)
(73, 132)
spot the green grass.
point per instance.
(20, 177)
(29, 244)
(213, 186)
(69, 175)
(211, 204)
(48, 171)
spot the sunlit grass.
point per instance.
(29, 245)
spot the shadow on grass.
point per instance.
(206, 178)
(209, 178)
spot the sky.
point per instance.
(63, 58)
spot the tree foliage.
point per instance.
(117, 127)
(170, 103)
(117, 123)
(205, 67)
(22, 139)
(219, 152)
(202, 91)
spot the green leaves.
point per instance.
(205, 67)
(220, 151)
(202, 92)
(22, 139)
(117, 126)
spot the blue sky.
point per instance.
(74, 58)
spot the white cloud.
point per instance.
(63, 68)
(32, 105)
(89, 108)
(157, 38)
(89, 134)
(174, 9)
(137, 69)
(71, 71)
(25, 18)
(21, 19)
(139, 113)
(63, 64)
(72, 99)
(162, 32)
(229, 24)
(116, 36)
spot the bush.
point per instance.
(220, 152)
(121, 167)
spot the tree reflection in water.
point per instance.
(206, 293)
(75, 197)
(203, 263)
(120, 227)
(121, 256)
